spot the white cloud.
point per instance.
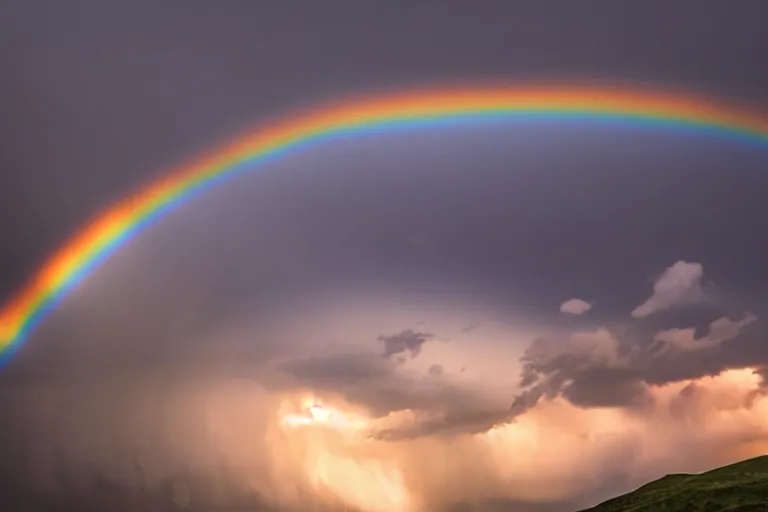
(679, 285)
(575, 307)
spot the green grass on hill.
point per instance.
(740, 487)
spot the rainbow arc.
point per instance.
(115, 226)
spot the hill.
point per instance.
(740, 487)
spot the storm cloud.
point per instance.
(406, 342)
(345, 326)
(598, 369)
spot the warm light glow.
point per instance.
(342, 462)
(369, 484)
(554, 450)
(343, 470)
(319, 415)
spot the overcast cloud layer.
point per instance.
(178, 361)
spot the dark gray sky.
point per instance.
(98, 99)
(449, 252)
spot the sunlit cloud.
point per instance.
(575, 307)
(679, 285)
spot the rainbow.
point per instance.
(113, 227)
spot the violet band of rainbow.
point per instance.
(112, 228)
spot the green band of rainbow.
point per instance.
(113, 227)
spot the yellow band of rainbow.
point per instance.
(114, 226)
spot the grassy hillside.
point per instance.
(740, 487)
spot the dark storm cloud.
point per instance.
(406, 342)
(441, 407)
(338, 372)
(469, 419)
(97, 99)
(599, 368)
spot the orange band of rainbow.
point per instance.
(113, 227)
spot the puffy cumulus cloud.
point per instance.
(575, 307)
(678, 285)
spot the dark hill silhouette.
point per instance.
(740, 487)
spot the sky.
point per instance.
(517, 317)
